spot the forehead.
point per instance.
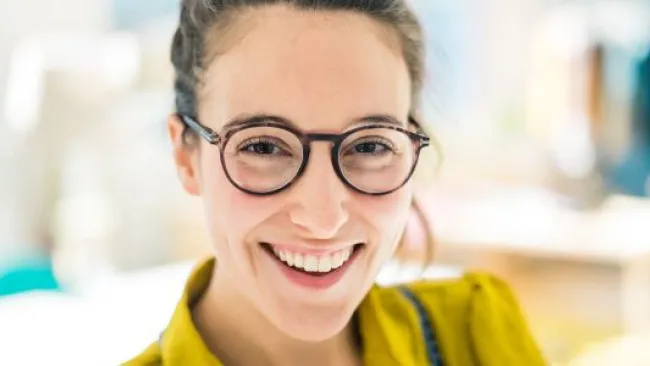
(319, 69)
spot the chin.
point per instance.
(309, 321)
(315, 325)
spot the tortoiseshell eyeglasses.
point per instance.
(265, 155)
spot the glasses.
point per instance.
(264, 155)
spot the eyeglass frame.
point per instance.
(419, 139)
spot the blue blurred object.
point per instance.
(129, 14)
(631, 175)
(641, 114)
(27, 274)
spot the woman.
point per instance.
(295, 124)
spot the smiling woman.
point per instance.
(297, 125)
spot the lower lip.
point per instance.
(319, 282)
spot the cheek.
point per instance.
(244, 212)
(387, 214)
(231, 213)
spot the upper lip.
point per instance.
(311, 248)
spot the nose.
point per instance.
(320, 197)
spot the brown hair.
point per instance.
(201, 19)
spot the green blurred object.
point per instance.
(27, 274)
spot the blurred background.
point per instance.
(542, 108)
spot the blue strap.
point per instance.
(427, 328)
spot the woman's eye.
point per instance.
(262, 148)
(370, 148)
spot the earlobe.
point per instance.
(184, 156)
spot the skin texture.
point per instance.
(322, 71)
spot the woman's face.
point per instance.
(322, 71)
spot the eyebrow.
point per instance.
(246, 119)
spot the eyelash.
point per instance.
(243, 146)
(374, 140)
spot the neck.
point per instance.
(238, 334)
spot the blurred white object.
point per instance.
(112, 321)
(114, 60)
(628, 351)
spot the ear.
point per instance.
(185, 156)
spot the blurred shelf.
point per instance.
(531, 223)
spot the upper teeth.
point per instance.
(314, 263)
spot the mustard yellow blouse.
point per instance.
(476, 319)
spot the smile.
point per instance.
(314, 263)
(313, 270)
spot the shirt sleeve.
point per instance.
(149, 357)
(498, 331)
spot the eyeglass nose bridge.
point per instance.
(335, 140)
(325, 137)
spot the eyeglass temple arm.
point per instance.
(205, 132)
(425, 140)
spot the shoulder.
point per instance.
(473, 288)
(149, 357)
(450, 294)
(479, 310)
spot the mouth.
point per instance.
(314, 271)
